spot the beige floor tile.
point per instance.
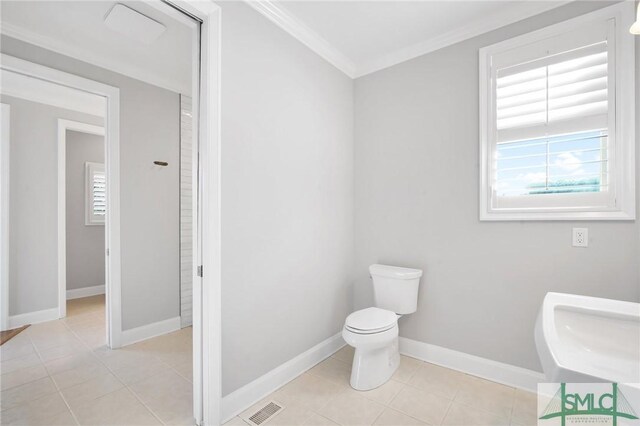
(86, 304)
(525, 408)
(63, 351)
(485, 395)
(318, 420)
(309, 391)
(17, 347)
(70, 362)
(135, 373)
(85, 393)
(179, 354)
(46, 328)
(84, 372)
(84, 320)
(54, 339)
(462, 415)
(93, 379)
(439, 380)
(22, 376)
(333, 370)
(186, 421)
(408, 367)
(391, 417)
(425, 406)
(168, 395)
(117, 408)
(382, 394)
(19, 363)
(293, 415)
(236, 421)
(345, 354)
(94, 340)
(352, 410)
(47, 410)
(185, 370)
(27, 392)
(121, 358)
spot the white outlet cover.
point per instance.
(580, 237)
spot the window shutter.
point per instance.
(557, 121)
(559, 94)
(551, 124)
(96, 194)
(99, 203)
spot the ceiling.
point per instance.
(77, 29)
(361, 37)
(358, 37)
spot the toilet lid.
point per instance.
(371, 319)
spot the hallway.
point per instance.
(61, 373)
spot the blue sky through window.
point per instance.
(559, 164)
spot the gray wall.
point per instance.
(417, 205)
(85, 243)
(287, 197)
(149, 195)
(33, 203)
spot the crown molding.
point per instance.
(66, 49)
(304, 34)
(481, 26)
(288, 22)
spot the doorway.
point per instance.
(205, 92)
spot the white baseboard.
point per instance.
(77, 293)
(16, 321)
(148, 331)
(243, 398)
(487, 369)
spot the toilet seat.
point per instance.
(370, 321)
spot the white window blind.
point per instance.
(96, 196)
(552, 124)
(557, 121)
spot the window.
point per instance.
(557, 121)
(96, 195)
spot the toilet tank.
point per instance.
(395, 289)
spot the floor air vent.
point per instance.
(264, 414)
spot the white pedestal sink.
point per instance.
(588, 339)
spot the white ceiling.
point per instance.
(77, 29)
(360, 37)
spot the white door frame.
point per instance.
(207, 304)
(112, 160)
(207, 289)
(63, 126)
(5, 138)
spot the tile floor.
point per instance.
(418, 394)
(61, 373)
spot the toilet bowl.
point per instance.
(373, 332)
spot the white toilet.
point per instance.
(373, 332)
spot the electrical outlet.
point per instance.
(580, 237)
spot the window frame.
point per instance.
(622, 112)
(91, 219)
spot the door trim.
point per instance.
(5, 149)
(207, 305)
(112, 161)
(63, 126)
